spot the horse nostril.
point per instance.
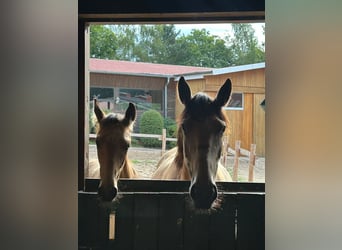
(113, 192)
(203, 196)
(107, 194)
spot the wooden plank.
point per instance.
(92, 220)
(249, 187)
(85, 207)
(136, 185)
(171, 213)
(124, 222)
(146, 221)
(129, 185)
(81, 103)
(234, 10)
(222, 224)
(196, 229)
(91, 185)
(251, 164)
(251, 221)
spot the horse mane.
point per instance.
(199, 108)
(128, 171)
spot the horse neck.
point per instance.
(179, 158)
(127, 170)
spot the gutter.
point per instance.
(165, 96)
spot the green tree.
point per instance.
(103, 42)
(199, 48)
(163, 44)
(244, 45)
(126, 36)
(156, 43)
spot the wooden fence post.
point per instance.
(163, 141)
(225, 147)
(251, 163)
(236, 160)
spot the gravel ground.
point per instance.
(145, 161)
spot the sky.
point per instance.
(220, 29)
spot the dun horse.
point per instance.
(199, 145)
(113, 140)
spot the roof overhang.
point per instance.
(188, 76)
(234, 69)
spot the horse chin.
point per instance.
(214, 207)
(107, 194)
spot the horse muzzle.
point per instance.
(203, 196)
(107, 193)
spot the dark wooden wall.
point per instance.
(158, 215)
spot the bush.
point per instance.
(151, 122)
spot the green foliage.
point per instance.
(156, 44)
(126, 36)
(199, 48)
(244, 45)
(151, 122)
(164, 44)
(103, 42)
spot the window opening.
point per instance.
(235, 102)
(146, 72)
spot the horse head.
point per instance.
(112, 140)
(202, 126)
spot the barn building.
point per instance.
(150, 85)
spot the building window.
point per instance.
(235, 102)
(116, 99)
(144, 99)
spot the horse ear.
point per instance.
(98, 112)
(184, 91)
(130, 113)
(223, 94)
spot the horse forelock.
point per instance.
(109, 121)
(201, 107)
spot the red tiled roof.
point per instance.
(115, 66)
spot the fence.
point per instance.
(152, 214)
(237, 153)
(161, 137)
(226, 150)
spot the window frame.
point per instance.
(145, 11)
(237, 108)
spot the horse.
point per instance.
(113, 138)
(199, 145)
